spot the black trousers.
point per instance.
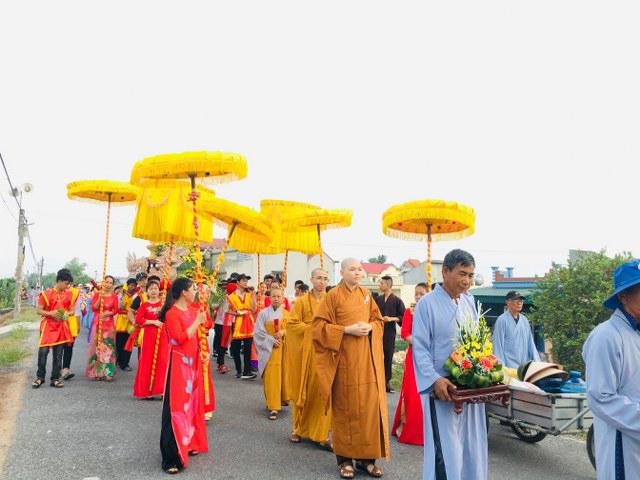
(43, 353)
(244, 344)
(122, 356)
(168, 446)
(67, 353)
(389, 347)
(216, 344)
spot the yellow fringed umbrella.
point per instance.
(214, 167)
(319, 220)
(303, 240)
(430, 220)
(113, 193)
(240, 221)
(160, 218)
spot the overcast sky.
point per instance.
(527, 112)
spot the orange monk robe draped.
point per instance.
(350, 372)
(308, 411)
(74, 325)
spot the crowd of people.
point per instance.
(328, 354)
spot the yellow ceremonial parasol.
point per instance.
(241, 222)
(319, 220)
(100, 191)
(213, 167)
(430, 220)
(160, 218)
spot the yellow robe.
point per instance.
(273, 376)
(350, 372)
(74, 325)
(308, 410)
(122, 320)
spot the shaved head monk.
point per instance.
(347, 339)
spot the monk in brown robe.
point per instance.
(347, 338)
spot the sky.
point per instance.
(525, 111)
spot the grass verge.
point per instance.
(13, 347)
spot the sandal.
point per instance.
(172, 470)
(294, 438)
(57, 383)
(273, 415)
(371, 469)
(193, 453)
(69, 376)
(37, 382)
(328, 446)
(346, 470)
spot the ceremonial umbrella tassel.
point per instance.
(430, 220)
(111, 193)
(160, 219)
(210, 167)
(319, 220)
(301, 239)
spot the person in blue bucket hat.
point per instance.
(612, 357)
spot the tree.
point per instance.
(568, 303)
(379, 259)
(77, 269)
(7, 292)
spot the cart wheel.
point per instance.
(528, 435)
(591, 446)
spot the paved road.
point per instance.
(99, 431)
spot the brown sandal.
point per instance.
(57, 383)
(371, 469)
(37, 382)
(294, 438)
(346, 470)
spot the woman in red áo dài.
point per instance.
(407, 425)
(184, 431)
(152, 364)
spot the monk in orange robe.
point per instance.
(347, 338)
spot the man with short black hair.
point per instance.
(455, 445)
(392, 309)
(513, 341)
(55, 306)
(242, 305)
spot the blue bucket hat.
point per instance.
(626, 275)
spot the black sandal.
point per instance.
(57, 383)
(371, 469)
(172, 470)
(273, 415)
(346, 470)
(37, 382)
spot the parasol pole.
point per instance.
(321, 251)
(428, 265)
(163, 296)
(104, 279)
(286, 263)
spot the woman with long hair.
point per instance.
(152, 364)
(183, 426)
(407, 424)
(102, 358)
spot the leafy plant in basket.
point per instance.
(472, 363)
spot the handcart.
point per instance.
(533, 416)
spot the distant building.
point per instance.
(493, 297)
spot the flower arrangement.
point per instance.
(472, 363)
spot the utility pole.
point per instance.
(40, 271)
(22, 228)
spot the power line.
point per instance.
(8, 208)
(13, 190)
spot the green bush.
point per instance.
(568, 303)
(7, 292)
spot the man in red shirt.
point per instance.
(55, 305)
